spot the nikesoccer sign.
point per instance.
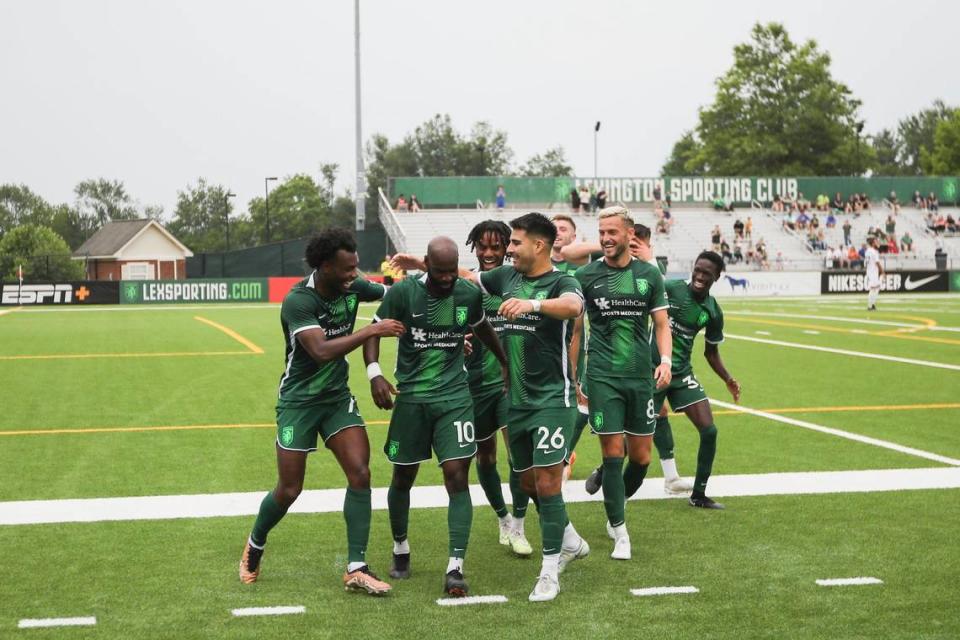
(837, 282)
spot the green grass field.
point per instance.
(144, 401)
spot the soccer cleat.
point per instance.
(677, 486)
(547, 588)
(365, 580)
(519, 544)
(594, 481)
(703, 502)
(506, 528)
(621, 548)
(872, 307)
(250, 564)
(400, 568)
(566, 557)
(610, 533)
(454, 584)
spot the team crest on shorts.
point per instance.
(286, 436)
(393, 449)
(642, 286)
(598, 420)
(461, 315)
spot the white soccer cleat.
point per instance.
(610, 533)
(547, 588)
(519, 544)
(506, 528)
(677, 486)
(566, 557)
(621, 548)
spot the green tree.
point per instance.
(43, 254)
(105, 200)
(19, 205)
(386, 161)
(684, 158)
(201, 215)
(484, 153)
(887, 150)
(944, 159)
(779, 111)
(299, 207)
(71, 226)
(917, 133)
(550, 163)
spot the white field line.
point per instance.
(456, 602)
(663, 591)
(847, 352)
(762, 333)
(839, 433)
(845, 582)
(803, 316)
(36, 623)
(4, 312)
(160, 307)
(811, 332)
(331, 500)
(267, 611)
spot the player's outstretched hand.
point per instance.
(381, 390)
(467, 345)
(515, 307)
(663, 375)
(389, 328)
(407, 262)
(734, 388)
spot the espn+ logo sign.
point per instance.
(41, 293)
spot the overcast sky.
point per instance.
(159, 93)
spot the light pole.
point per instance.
(361, 212)
(226, 213)
(266, 202)
(596, 130)
(859, 127)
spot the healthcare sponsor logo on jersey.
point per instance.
(834, 282)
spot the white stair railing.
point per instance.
(391, 224)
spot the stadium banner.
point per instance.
(955, 281)
(176, 291)
(840, 282)
(280, 287)
(457, 191)
(748, 284)
(78, 292)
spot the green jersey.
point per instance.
(537, 346)
(306, 381)
(565, 266)
(619, 303)
(430, 363)
(687, 317)
(482, 366)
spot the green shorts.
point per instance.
(298, 427)
(622, 405)
(684, 390)
(416, 427)
(490, 413)
(540, 437)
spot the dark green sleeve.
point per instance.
(475, 308)
(568, 284)
(299, 311)
(392, 305)
(368, 291)
(714, 332)
(658, 297)
(492, 281)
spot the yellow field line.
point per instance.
(188, 427)
(74, 356)
(4, 312)
(882, 334)
(230, 332)
(875, 407)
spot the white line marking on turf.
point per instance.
(267, 611)
(762, 333)
(844, 582)
(455, 602)
(801, 316)
(840, 433)
(811, 332)
(331, 500)
(846, 352)
(36, 623)
(663, 591)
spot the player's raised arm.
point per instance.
(316, 344)
(485, 332)
(578, 252)
(380, 388)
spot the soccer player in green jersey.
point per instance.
(434, 408)
(540, 304)
(318, 317)
(622, 294)
(692, 309)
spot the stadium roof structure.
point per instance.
(113, 238)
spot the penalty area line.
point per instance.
(456, 602)
(230, 332)
(37, 623)
(846, 582)
(663, 591)
(267, 611)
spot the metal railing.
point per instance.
(391, 224)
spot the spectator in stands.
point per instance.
(838, 204)
(663, 225)
(802, 203)
(892, 245)
(802, 220)
(738, 228)
(574, 200)
(593, 199)
(584, 199)
(657, 197)
(823, 202)
(864, 201)
(402, 203)
(894, 203)
(853, 204)
(814, 222)
(890, 227)
(387, 270)
(940, 224)
(715, 236)
(853, 258)
(952, 225)
(831, 220)
(918, 201)
(667, 200)
(834, 258)
(761, 254)
(501, 198)
(812, 240)
(933, 204)
(602, 199)
(723, 204)
(906, 243)
(789, 223)
(737, 253)
(777, 204)
(414, 203)
(779, 261)
(846, 232)
(748, 228)
(725, 251)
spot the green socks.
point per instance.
(663, 438)
(490, 481)
(708, 450)
(459, 519)
(356, 511)
(270, 514)
(633, 477)
(398, 504)
(553, 520)
(613, 490)
(519, 498)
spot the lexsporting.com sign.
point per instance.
(837, 282)
(176, 291)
